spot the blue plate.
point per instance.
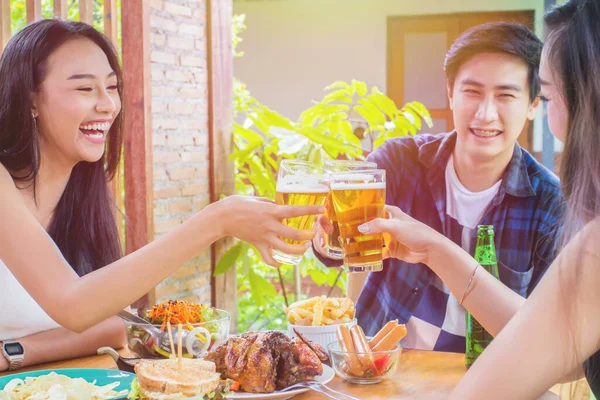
(101, 376)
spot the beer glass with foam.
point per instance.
(333, 246)
(359, 197)
(299, 183)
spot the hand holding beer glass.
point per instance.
(359, 197)
(333, 246)
(299, 183)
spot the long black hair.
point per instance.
(497, 37)
(573, 50)
(83, 225)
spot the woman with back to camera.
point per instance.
(555, 335)
(60, 143)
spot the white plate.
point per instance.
(327, 376)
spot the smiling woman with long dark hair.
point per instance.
(86, 235)
(61, 134)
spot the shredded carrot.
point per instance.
(235, 385)
(176, 312)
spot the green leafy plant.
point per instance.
(263, 138)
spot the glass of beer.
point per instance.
(333, 246)
(299, 183)
(359, 197)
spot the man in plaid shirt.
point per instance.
(477, 174)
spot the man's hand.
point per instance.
(323, 226)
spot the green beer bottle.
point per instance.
(485, 254)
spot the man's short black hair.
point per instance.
(497, 37)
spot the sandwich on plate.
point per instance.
(163, 380)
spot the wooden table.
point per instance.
(420, 375)
(103, 361)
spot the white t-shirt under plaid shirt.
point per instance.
(439, 319)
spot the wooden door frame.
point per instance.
(138, 163)
(220, 125)
(5, 32)
(397, 26)
(137, 151)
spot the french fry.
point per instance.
(304, 313)
(331, 302)
(352, 313)
(305, 303)
(305, 322)
(293, 316)
(345, 319)
(346, 304)
(318, 312)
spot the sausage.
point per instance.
(347, 346)
(390, 340)
(362, 346)
(384, 331)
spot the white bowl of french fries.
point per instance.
(317, 318)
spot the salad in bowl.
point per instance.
(202, 327)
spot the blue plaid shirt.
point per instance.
(525, 214)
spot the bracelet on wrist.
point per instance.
(468, 288)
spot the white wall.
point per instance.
(294, 48)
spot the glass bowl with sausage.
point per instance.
(360, 359)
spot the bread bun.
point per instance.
(160, 379)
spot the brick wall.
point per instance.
(180, 133)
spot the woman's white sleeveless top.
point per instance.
(20, 315)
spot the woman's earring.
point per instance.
(34, 122)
